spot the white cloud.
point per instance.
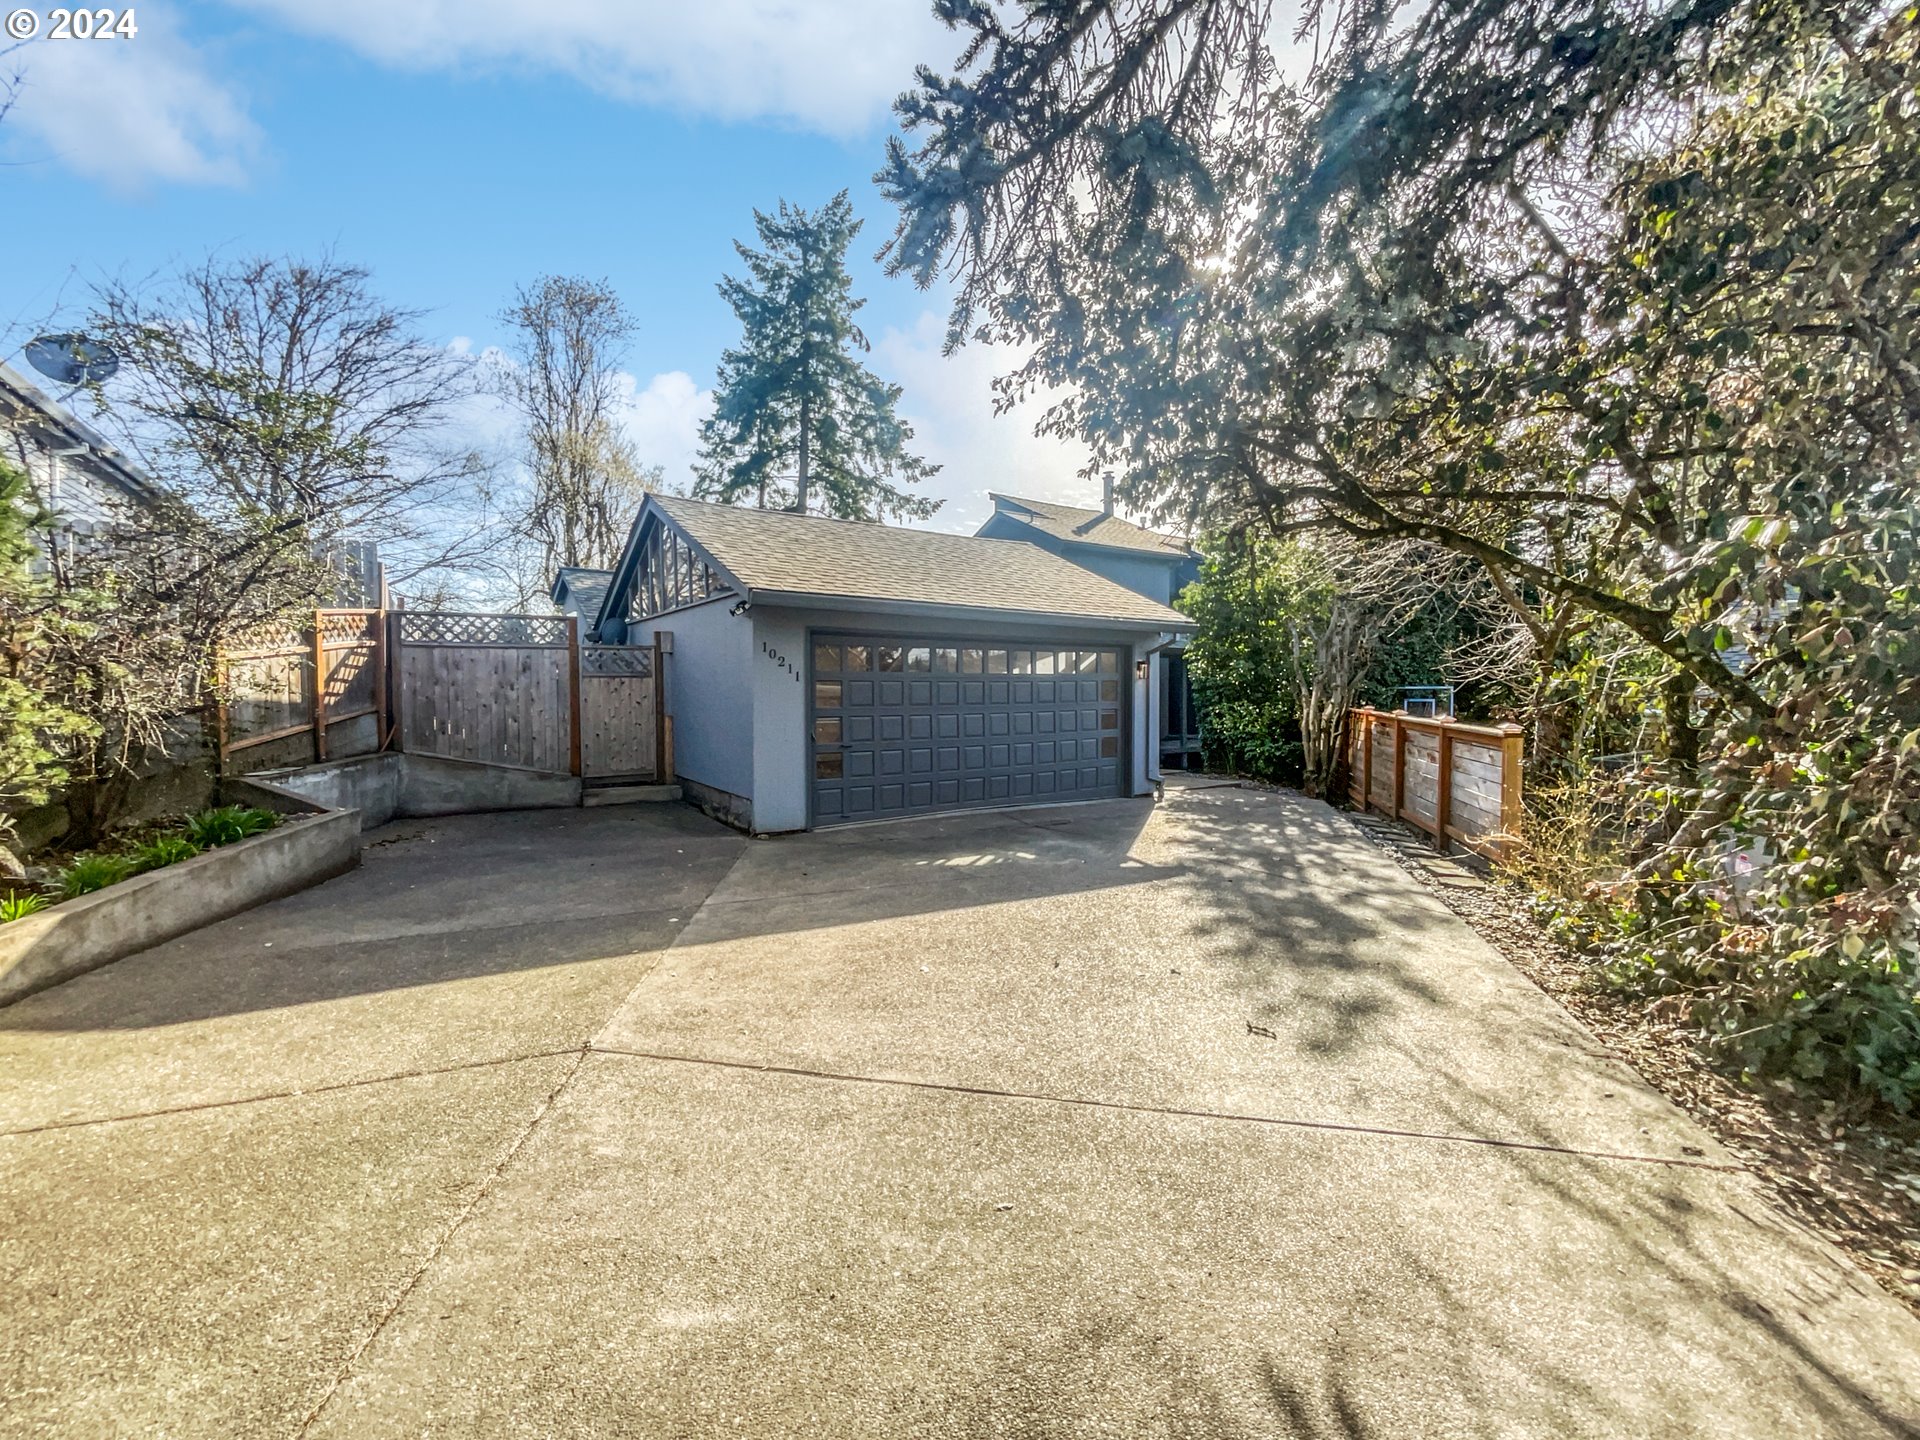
(130, 112)
(834, 67)
(662, 419)
(949, 402)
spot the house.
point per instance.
(1145, 561)
(828, 671)
(580, 590)
(93, 489)
(76, 472)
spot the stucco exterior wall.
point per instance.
(709, 694)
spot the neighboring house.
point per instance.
(1154, 565)
(827, 671)
(76, 472)
(91, 487)
(580, 591)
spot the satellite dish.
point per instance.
(72, 359)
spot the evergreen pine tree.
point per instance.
(798, 422)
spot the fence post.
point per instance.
(1511, 736)
(319, 688)
(662, 735)
(395, 717)
(220, 692)
(1443, 798)
(1399, 764)
(573, 691)
(1366, 758)
(377, 625)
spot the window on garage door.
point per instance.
(901, 725)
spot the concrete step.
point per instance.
(629, 794)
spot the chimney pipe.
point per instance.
(1106, 493)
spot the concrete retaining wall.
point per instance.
(79, 935)
(393, 786)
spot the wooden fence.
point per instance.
(1456, 782)
(312, 684)
(517, 691)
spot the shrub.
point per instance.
(161, 852)
(1260, 739)
(93, 872)
(20, 904)
(228, 823)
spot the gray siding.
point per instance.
(1143, 574)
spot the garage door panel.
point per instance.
(980, 738)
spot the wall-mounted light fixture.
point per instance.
(1143, 668)
(739, 607)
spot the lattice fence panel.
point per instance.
(424, 627)
(635, 660)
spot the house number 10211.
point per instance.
(780, 660)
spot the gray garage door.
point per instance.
(904, 725)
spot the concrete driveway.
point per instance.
(1114, 1120)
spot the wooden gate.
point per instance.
(521, 691)
(620, 722)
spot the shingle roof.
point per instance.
(1079, 526)
(587, 588)
(774, 552)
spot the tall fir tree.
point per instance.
(799, 423)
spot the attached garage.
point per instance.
(902, 724)
(826, 672)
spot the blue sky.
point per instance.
(459, 147)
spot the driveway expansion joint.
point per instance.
(484, 1189)
(234, 1101)
(1172, 1111)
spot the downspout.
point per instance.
(1167, 637)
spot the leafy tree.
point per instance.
(1240, 658)
(798, 422)
(1294, 632)
(565, 380)
(37, 731)
(1620, 302)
